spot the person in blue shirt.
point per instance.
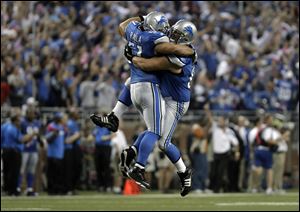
(72, 154)
(102, 157)
(29, 125)
(12, 145)
(55, 136)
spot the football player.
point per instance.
(144, 87)
(175, 89)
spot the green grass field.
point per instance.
(155, 202)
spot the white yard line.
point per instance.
(25, 209)
(257, 203)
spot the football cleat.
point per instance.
(109, 121)
(127, 156)
(138, 175)
(186, 182)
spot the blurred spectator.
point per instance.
(222, 139)
(266, 142)
(17, 82)
(102, 158)
(258, 121)
(58, 94)
(72, 152)
(88, 150)
(119, 143)
(245, 166)
(30, 124)
(13, 144)
(86, 92)
(236, 125)
(198, 144)
(55, 136)
(279, 160)
(106, 94)
(5, 88)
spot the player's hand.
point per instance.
(128, 53)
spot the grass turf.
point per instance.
(155, 202)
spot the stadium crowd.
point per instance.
(69, 54)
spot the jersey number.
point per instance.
(136, 49)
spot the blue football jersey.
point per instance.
(178, 86)
(143, 44)
(28, 127)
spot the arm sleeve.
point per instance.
(162, 39)
(127, 31)
(158, 37)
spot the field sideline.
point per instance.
(155, 202)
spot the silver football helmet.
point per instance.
(183, 32)
(156, 21)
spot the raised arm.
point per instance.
(123, 25)
(156, 64)
(175, 49)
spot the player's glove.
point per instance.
(128, 53)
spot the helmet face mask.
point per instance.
(175, 35)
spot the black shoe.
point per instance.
(109, 121)
(127, 156)
(138, 175)
(186, 182)
(31, 194)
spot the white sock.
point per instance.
(119, 109)
(139, 166)
(180, 165)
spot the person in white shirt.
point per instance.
(279, 160)
(244, 171)
(222, 139)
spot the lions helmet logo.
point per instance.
(189, 30)
(162, 20)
